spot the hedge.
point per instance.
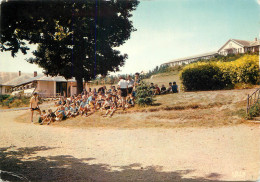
(219, 75)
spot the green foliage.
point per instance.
(75, 38)
(254, 111)
(144, 96)
(202, 76)
(3, 97)
(228, 58)
(174, 68)
(156, 70)
(16, 101)
(215, 75)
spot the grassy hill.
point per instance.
(165, 78)
(187, 109)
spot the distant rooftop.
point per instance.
(193, 57)
(7, 77)
(46, 78)
(247, 43)
(14, 79)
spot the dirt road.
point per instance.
(48, 153)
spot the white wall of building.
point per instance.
(231, 45)
(72, 88)
(46, 88)
(5, 90)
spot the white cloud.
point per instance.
(258, 1)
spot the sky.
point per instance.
(171, 29)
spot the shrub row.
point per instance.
(16, 101)
(219, 75)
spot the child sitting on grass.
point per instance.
(60, 114)
(50, 117)
(169, 89)
(130, 101)
(119, 101)
(83, 107)
(67, 110)
(42, 117)
(163, 89)
(74, 110)
(109, 107)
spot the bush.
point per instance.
(15, 101)
(3, 97)
(202, 76)
(219, 75)
(144, 95)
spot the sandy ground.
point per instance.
(48, 153)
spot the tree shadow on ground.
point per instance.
(20, 165)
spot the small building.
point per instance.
(45, 86)
(232, 46)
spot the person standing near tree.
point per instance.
(131, 83)
(137, 80)
(136, 83)
(123, 86)
(34, 105)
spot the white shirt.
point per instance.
(130, 83)
(123, 83)
(34, 101)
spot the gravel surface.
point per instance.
(48, 153)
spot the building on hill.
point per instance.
(27, 83)
(235, 46)
(232, 46)
(190, 59)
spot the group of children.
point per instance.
(87, 103)
(104, 100)
(172, 88)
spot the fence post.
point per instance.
(247, 107)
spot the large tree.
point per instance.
(75, 38)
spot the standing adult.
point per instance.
(131, 83)
(136, 83)
(123, 86)
(34, 101)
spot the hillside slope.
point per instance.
(165, 78)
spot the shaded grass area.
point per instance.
(189, 109)
(21, 164)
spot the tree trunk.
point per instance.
(79, 85)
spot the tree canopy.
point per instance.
(76, 38)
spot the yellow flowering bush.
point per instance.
(218, 75)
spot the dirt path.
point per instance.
(47, 153)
